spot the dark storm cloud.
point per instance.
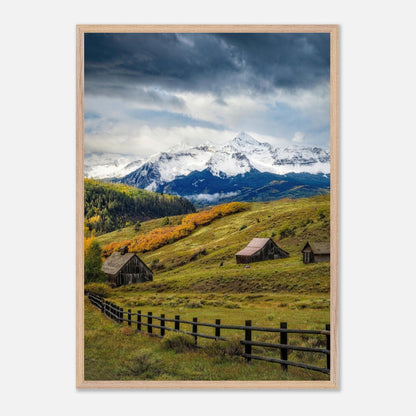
(284, 60)
(151, 91)
(132, 92)
(216, 63)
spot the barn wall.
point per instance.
(307, 260)
(243, 259)
(314, 258)
(305, 251)
(268, 251)
(111, 279)
(132, 272)
(321, 257)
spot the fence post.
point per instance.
(102, 305)
(328, 347)
(149, 322)
(177, 323)
(217, 329)
(121, 316)
(195, 329)
(162, 324)
(129, 317)
(283, 340)
(247, 347)
(139, 320)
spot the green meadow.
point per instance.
(197, 276)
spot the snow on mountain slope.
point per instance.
(241, 155)
(223, 163)
(259, 154)
(166, 166)
(109, 165)
(244, 143)
(301, 159)
(296, 159)
(171, 165)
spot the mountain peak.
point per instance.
(179, 147)
(243, 138)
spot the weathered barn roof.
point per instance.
(319, 247)
(116, 261)
(255, 245)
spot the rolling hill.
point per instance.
(197, 276)
(193, 263)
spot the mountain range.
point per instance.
(241, 169)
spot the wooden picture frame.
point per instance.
(81, 30)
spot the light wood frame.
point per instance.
(80, 381)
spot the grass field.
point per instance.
(198, 277)
(113, 353)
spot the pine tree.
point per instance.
(93, 263)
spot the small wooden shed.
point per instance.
(315, 252)
(124, 268)
(260, 249)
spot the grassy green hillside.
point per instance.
(193, 263)
(114, 353)
(129, 232)
(197, 276)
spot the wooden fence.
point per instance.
(117, 314)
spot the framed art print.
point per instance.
(207, 206)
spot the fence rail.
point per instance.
(120, 316)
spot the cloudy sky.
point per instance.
(147, 92)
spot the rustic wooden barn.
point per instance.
(123, 268)
(260, 249)
(315, 252)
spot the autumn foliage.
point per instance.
(162, 236)
(87, 243)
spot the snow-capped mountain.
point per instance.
(166, 166)
(242, 169)
(109, 165)
(241, 155)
